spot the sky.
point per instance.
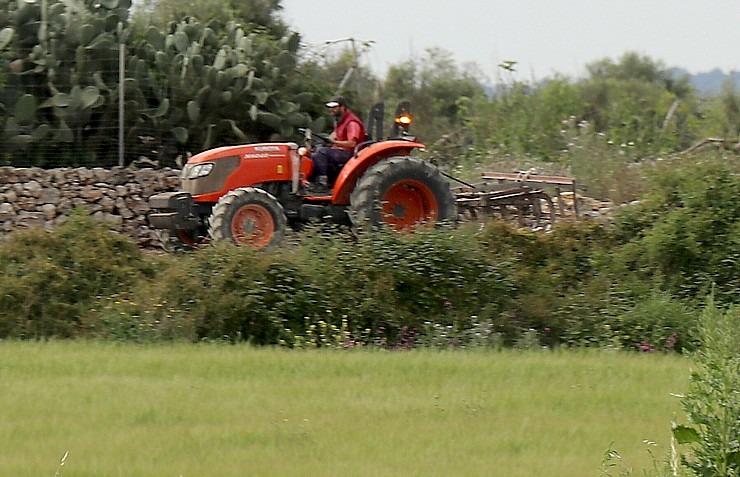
(544, 37)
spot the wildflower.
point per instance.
(645, 347)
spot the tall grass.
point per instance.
(216, 410)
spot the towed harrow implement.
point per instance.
(521, 196)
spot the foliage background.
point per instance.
(626, 130)
(203, 74)
(637, 282)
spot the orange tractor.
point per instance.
(250, 194)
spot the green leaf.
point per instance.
(193, 111)
(181, 134)
(202, 96)
(25, 108)
(21, 141)
(269, 119)
(181, 41)
(161, 60)
(212, 77)
(155, 38)
(87, 33)
(90, 96)
(103, 45)
(98, 78)
(41, 132)
(220, 62)
(160, 111)
(245, 44)
(64, 133)
(318, 124)
(237, 132)
(685, 435)
(285, 61)
(198, 63)
(286, 130)
(112, 22)
(11, 127)
(221, 80)
(250, 80)
(304, 99)
(240, 70)
(298, 119)
(287, 107)
(6, 36)
(109, 4)
(261, 97)
(208, 142)
(293, 42)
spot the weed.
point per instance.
(713, 401)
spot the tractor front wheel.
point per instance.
(248, 216)
(402, 193)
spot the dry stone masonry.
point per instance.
(34, 197)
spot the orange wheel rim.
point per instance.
(407, 204)
(253, 225)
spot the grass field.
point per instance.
(219, 410)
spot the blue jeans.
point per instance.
(325, 157)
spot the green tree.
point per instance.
(526, 119)
(684, 236)
(337, 68)
(441, 95)
(723, 114)
(637, 102)
(264, 13)
(713, 401)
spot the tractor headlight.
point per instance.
(303, 151)
(199, 170)
(404, 120)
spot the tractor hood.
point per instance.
(210, 174)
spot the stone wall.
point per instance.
(34, 197)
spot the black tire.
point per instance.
(402, 193)
(250, 217)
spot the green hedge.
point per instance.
(637, 283)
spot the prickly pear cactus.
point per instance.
(62, 68)
(188, 88)
(224, 84)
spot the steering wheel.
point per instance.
(326, 139)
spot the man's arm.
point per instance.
(353, 136)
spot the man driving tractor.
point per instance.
(349, 131)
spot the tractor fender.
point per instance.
(365, 159)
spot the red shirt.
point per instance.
(349, 128)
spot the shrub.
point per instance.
(685, 235)
(556, 277)
(713, 401)
(388, 284)
(238, 294)
(48, 279)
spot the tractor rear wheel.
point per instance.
(402, 193)
(248, 216)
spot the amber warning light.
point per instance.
(404, 120)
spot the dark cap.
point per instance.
(336, 101)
